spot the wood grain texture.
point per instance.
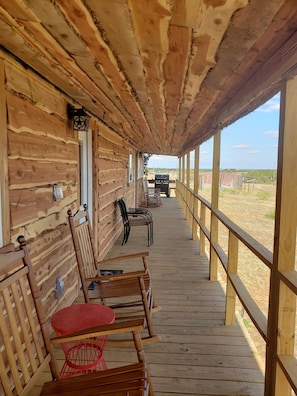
(197, 354)
(39, 151)
(5, 218)
(164, 75)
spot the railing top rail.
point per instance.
(251, 243)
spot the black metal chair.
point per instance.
(135, 217)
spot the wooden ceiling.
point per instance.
(164, 74)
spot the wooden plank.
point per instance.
(152, 39)
(289, 365)
(197, 354)
(250, 305)
(231, 269)
(23, 115)
(214, 224)
(282, 313)
(175, 68)
(196, 190)
(88, 48)
(24, 83)
(4, 195)
(205, 47)
(25, 173)
(250, 21)
(117, 18)
(54, 59)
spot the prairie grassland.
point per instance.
(253, 210)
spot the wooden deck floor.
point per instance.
(198, 354)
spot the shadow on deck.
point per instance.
(198, 354)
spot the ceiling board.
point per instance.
(164, 74)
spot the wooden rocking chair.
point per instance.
(26, 350)
(133, 287)
(152, 195)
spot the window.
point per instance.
(131, 168)
(85, 164)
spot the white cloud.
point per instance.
(253, 152)
(272, 134)
(163, 161)
(271, 105)
(240, 146)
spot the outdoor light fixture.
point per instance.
(80, 118)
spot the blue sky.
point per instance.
(249, 143)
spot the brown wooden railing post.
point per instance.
(282, 308)
(196, 189)
(214, 231)
(231, 269)
(188, 193)
(183, 183)
(203, 223)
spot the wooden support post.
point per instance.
(196, 190)
(188, 170)
(183, 182)
(202, 222)
(183, 169)
(4, 192)
(232, 269)
(188, 194)
(214, 226)
(178, 182)
(282, 301)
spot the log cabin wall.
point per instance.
(43, 150)
(112, 167)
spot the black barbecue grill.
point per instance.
(162, 182)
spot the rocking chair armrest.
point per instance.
(125, 257)
(118, 277)
(99, 331)
(154, 190)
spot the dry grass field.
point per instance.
(253, 211)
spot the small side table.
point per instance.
(84, 356)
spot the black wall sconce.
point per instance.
(79, 118)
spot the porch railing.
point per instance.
(204, 222)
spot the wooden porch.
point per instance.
(198, 354)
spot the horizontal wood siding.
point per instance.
(112, 158)
(41, 152)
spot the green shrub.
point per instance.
(270, 215)
(263, 195)
(246, 322)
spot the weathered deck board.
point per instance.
(198, 354)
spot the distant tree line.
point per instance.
(261, 176)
